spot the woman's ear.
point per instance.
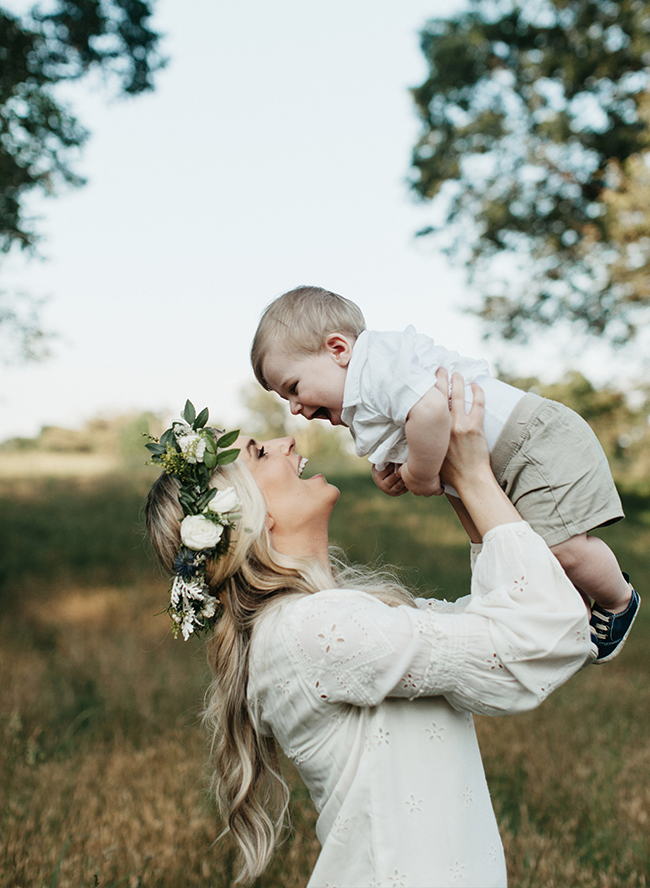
(340, 348)
(269, 522)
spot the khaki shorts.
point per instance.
(553, 469)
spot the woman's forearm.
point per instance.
(485, 502)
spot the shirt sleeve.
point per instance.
(521, 633)
(392, 380)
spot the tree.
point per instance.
(39, 135)
(535, 128)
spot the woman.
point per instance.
(368, 691)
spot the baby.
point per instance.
(312, 348)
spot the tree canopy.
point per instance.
(39, 134)
(533, 150)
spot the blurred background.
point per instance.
(477, 169)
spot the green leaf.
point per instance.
(167, 437)
(227, 456)
(210, 458)
(189, 413)
(157, 449)
(228, 439)
(206, 498)
(210, 443)
(202, 418)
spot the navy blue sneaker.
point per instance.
(610, 631)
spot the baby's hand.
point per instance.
(418, 486)
(388, 480)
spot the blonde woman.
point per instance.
(367, 690)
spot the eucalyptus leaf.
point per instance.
(189, 413)
(202, 418)
(227, 456)
(228, 439)
(167, 437)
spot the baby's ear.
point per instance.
(340, 347)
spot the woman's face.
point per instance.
(293, 504)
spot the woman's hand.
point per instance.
(388, 480)
(468, 452)
(467, 465)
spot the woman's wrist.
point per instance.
(485, 501)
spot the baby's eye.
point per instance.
(293, 388)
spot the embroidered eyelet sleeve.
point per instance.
(521, 633)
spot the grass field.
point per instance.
(102, 759)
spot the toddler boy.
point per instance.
(312, 348)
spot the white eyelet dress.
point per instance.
(373, 704)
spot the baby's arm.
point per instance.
(427, 432)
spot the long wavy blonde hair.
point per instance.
(249, 789)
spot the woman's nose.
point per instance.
(287, 444)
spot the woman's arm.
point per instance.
(467, 466)
(523, 632)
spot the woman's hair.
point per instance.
(249, 789)
(300, 321)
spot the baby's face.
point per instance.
(312, 384)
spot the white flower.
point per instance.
(199, 533)
(209, 609)
(192, 447)
(187, 627)
(225, 501)
(181, 428)
(178, 590)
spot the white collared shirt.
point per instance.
(387, 375)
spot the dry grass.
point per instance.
(102, 756)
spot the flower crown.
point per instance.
(190, 451)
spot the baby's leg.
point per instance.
(592, 566)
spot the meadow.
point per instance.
(103, 756)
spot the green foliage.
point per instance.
(39, 135)
(531, 114)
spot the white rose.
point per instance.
(225, 501)
(181, 428)
(199, 533)
(192, 447)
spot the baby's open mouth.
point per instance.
(322, 413)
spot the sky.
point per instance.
(274, 152)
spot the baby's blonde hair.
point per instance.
(300, 320)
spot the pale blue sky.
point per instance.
(273, 152)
